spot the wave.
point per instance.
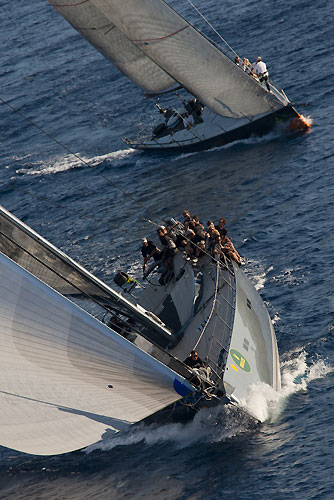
(266, 404)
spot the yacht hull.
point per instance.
(230, 327)
(258, 127)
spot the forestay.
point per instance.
(183, 52)
(57, 362)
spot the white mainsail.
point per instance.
(97, 27)
(57, 362)
(182, 52)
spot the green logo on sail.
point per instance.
(240, 360)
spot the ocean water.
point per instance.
(277, 195)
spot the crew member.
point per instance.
(221, 227)
(168, 252)
(148, 250)
(194, 361)
(261, 72)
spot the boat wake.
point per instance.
(224, 422)
(297, 372)
(69, 162)
(208, 426)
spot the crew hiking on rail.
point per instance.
(191, 238)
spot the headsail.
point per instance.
(57, 362)
(181, 51)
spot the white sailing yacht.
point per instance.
(80, 361)
(161, 52)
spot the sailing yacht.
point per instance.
(161, 52)
(80, 361)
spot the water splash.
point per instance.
(68, 162)
(252, 140)
(257, 274)
(300, 123)
(209, 426)
(265, 404)
(275, 319)
(307, 120)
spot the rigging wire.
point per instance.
(52, 202)
(114, 184)
(208, 22)
(66, 148)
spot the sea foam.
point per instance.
(266, 404)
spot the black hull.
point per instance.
(259, 128)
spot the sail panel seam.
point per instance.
(59, 6)
(160, 38)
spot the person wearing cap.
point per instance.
(149, 250)
(260, 69)
(195, 363)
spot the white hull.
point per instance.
(237, 325)
(67, 378)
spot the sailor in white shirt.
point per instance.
(261, 71)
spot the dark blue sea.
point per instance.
(277, 194)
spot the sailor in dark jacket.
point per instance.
(194, 361)
(148, 250)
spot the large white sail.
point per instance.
(97, 27)
(57, 362)
(184, 53)
(38, 256)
